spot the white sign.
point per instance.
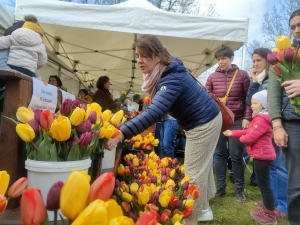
(44, 96)
(66, 95)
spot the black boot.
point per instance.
(220, 192)
(240, 197)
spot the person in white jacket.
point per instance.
(26, 49)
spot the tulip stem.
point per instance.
(55, 217)
(34, 146)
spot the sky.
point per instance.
(252, 9)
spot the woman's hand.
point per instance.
(292, 88)
(280, 137)
(227, 133)
(253, 74)
(112, 143)
(245, 124)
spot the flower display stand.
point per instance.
(108, 162)
(43, 175)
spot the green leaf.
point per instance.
(296, 62)
(44, 148)
(74, 153)
(66, 149)
(53, 153)
(286, 63)
(12, 120)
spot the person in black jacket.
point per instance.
(173, 90)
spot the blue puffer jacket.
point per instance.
(178, 94)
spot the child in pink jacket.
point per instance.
(258, 141)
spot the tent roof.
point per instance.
(97, 40)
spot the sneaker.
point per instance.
(207, 215)
(279, 213)
(254, 213)
(220, 192)
(259, 204)
(265, 217)
(240, 197)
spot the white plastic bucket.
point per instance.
(108, 161)
(43, 174)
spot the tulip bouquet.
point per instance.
(147, 100)
(73, 135)
(141, 143)
(129, 115)
(13, 192)
(148, 183)
(285, 61)
(123, 96)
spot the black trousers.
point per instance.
(262, 172)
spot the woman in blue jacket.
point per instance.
(176, 92)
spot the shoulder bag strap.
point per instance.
(231, 83)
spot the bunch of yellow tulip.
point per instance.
(78, 131)
(141, 143)
(148, 183)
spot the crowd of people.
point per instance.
(266, 124)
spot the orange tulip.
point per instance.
(17, 188)
(3, 203)
(33, 211)
(187, 212)
(194, 191)
(102, 188)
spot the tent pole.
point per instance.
(59, 71)
(243, 57)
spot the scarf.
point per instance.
(261, 76)
(151, 79)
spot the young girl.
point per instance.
(258, 141)
(26, 49)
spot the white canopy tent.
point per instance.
(95, 40)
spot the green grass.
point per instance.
(228, 211)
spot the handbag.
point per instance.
(224, 99)
(227, 114)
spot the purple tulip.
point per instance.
(66, 107)
(140, 163)
(164, 179)
(74, 142)
(93, 117)
(82, 106)
(132, 216)
(185, 185)
(177, 168)
(117, 183)
(85, 126)
(53, 196)
(163, 171)
(154, 179)
(272, 58)
(131, 166)
(160, 191)
(86, 138)
(155, 195)
(75, 103)
(35, 125)
(137, 154)
(37, 114)
(142, 153)
(178, 204)
(289, 54)
(97, 133)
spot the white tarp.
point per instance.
(100, 38)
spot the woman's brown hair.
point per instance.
(149, 45)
